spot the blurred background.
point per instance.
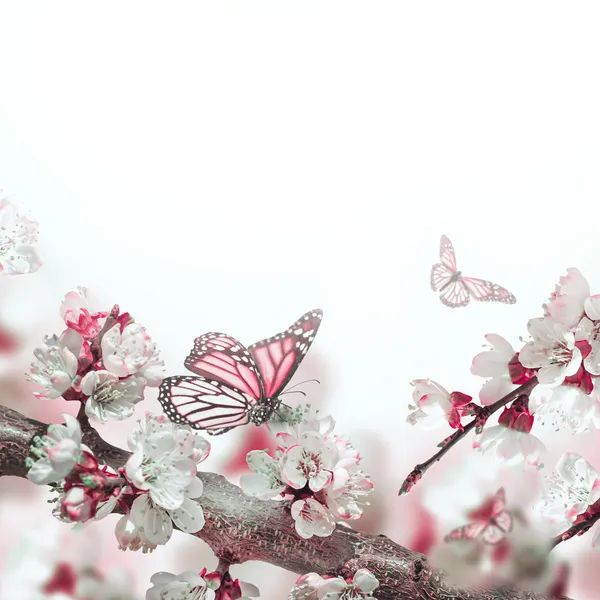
(228, 166)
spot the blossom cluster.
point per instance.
(564, 355)
(315, 587)
(200, 586)
(157, 489)
(317, 470)
(572, 494)
(18, 236)
(103, 359)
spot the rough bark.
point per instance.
(239, 528)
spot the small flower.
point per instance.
(434, 405)
(55, 365)
(109, 396)
(156, 523)
(186, 586)
(312, 518)
(131, 537)
(77, 506)
(266, 481)
(57, 452)
(79, 311)
(126, 352)
(510, 441)
(552, 351)
(567, 406)
(163, 461)
(310, 463)
(18, 234)
(502, 364)
(570, 489)
(589, 329)
(566, 304)
(348, 492)
(314, 587)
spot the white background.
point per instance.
(228, 166)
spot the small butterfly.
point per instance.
(456, 290)
(235, 385)
(491, 522)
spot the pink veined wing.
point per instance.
(204, 404)
(278, 357)
(486, 291)
(455, 294)
(447, 256)
(466, 532)
(496, 531)
(440, 276)
(221, 357)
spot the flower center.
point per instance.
(107, 393)
(310, 464)
(567, 493)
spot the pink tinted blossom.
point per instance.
(566, 304)
(80, 312)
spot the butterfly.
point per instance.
(456, 290)
(234, 385)
(491, 522)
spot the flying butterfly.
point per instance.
(491, 522)
(456, 290)
(234, 385)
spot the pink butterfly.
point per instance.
(456, 290)
(235, 386)
(491, 522)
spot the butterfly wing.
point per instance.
(204, 404)
(440, 277)
(486, 291)
(496, 531)
(447, 256)
(455, 294)
(466, 532)
(279, 356)
(221, 357)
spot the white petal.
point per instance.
(189, 517)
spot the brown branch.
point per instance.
(239, 528)
(485, 412)
(584, 523)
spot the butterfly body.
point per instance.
(235, 385)
(455, 289)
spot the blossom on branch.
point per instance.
(511, 441)
(56, 364)
(501, 364)
(185, 586)
(570, 490)
(318, 472)
(435, 406)
(109, 396)
(80, 313)
(18, 236)
(315, 587)
(56, 452)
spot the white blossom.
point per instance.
(573, 486)
(131, 537)
(552, 351)
(511, 446)
(80, 312)
(109, 396)
(185, 586)
(266, 481)
(434, 406)
(55, 366)
(127, 352)
(566, 305)
(57, 452)
(164, 460)
(312, 518)
(493, 364)
(18, 236)
(314, 587)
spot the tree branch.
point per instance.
(485, 412)
(239, 528)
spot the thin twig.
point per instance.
(459, 434)
(578, 529)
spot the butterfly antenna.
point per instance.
(293, 392)
(302, 382)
